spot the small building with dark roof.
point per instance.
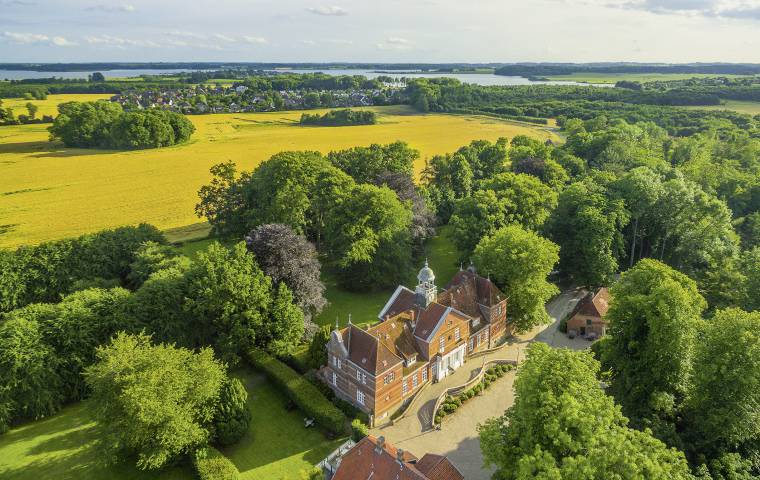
(587, 318)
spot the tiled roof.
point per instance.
(428, 318)
(401, 301)
(438, 467)
(396, 334)
(366, 351)
(594, 304)
(470, 293)
(368, 461)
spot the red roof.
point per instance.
(594, 304)
(374, 459)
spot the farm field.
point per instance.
(48, 191)
(276, 447)
(49, 106)
(751, 108)
(634, 77)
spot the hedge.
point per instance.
(358, 430)
(452, 403)
(211, 464)
(305, 395)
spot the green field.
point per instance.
(633, 77)
(48, 191)
(276, 447)
(751, 108)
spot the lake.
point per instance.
(476, 78)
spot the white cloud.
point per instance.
(252, 39)
(109, 40)
(36, 39)
(124, 8)
(395, 43)
(328, 11)
(224, 38)
(738, 9)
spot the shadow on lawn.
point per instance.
(46, 149)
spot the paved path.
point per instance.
(458, 438)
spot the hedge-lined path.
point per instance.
(458, 437)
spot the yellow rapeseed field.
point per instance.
(48, 191)
(49, 106)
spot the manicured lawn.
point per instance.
(62, 447)
(277, 445)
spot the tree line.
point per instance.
(345, 117)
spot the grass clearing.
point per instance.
(72, 191)
(63, 446)
(632, 77)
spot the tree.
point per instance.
(229, 297)
(156, 402)
(222, 202)
(28, 374)
(318, 347)
(587, 227)
(368, 238)
(151, 257)
(287, 257)
(653, 316)
(32, 109)
(232, 415)
(97, 77)
(519, 261)
(423, 219)
(285, 327)
(366, 164)
(549, 433)
(724, 405)
(448, 178)
(750, 268)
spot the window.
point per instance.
(472, 343)
(457, 334)
(335, 361)
(364, 378)
(335, 379)
(588, 321)
(360, 397)
(358, 375)
(424, 374)
(389, 378)
(339, 363)
(441, 344)
(404, 388)
(414, 381)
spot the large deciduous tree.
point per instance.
(563, 426)
(288, 257)
(654, 315)
(520, 261)
(156, 402)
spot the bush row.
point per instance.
(452, 403)
(345, 117)
(211, 464)
(305, 395)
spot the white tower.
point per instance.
(426, 291)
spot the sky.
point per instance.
(380, 30)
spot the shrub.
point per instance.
(358, 430)
(340, 118)
(210, 464)
(308, 397)
(232, 415)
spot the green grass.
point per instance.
(188, 233)
(634, 77)
(62, 447)
(751, 108)
(277, 445)
(364, 306)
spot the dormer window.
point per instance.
(411, 360)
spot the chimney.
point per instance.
(380, 444)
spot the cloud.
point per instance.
(124, 8)
(308, 42)
(395, 43)
(736, 9)
(16, 3)
(328, 11)
(252, 39)
(36, 39)
(120, 42)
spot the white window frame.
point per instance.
(404, 388)
(360, 397)
(442, 344)
(414, 381)
(364, 378)
(335, 379)
(358, 375)
(339, 363)
(457, 334)
(424, 374)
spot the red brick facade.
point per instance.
(421, 337)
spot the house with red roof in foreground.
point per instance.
(375, 459)
(422, 335)
(587, 318)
